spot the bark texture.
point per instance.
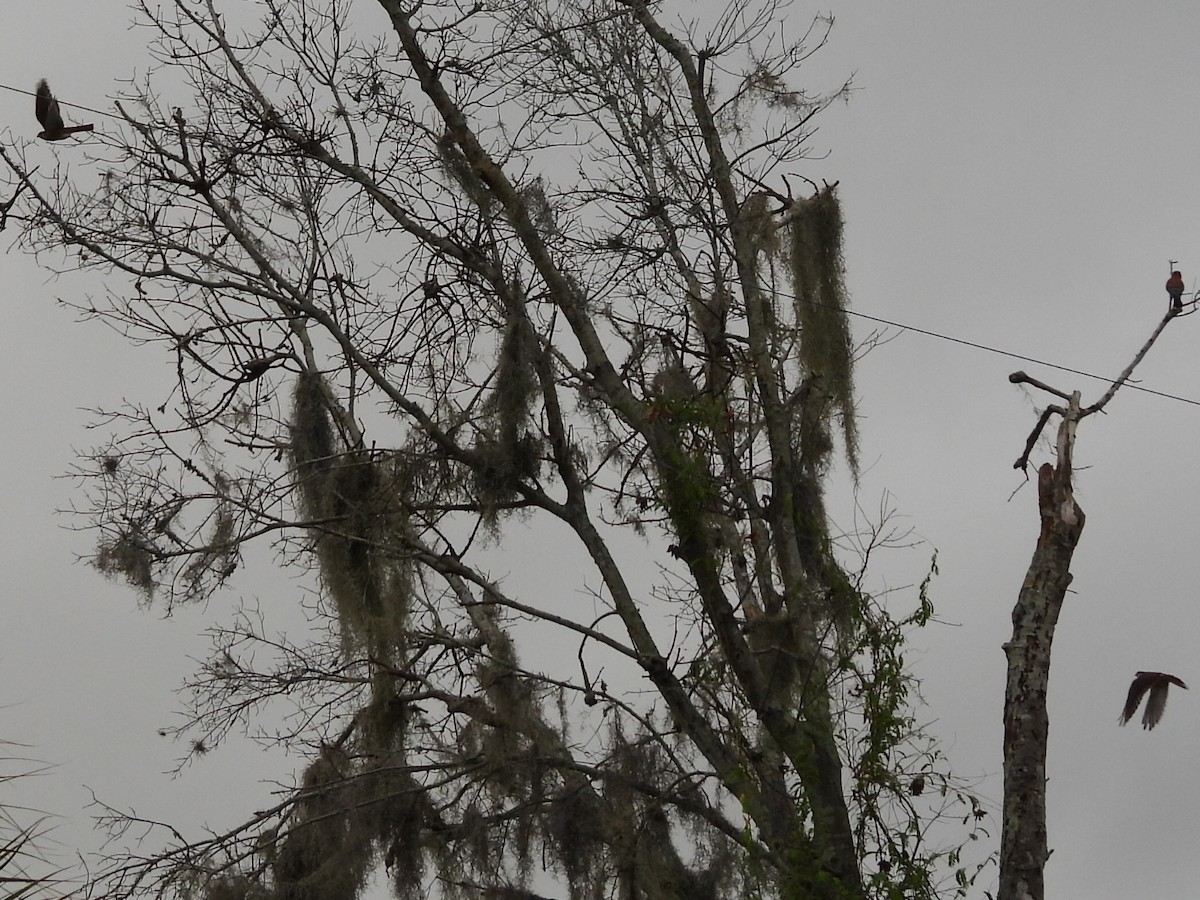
(1023, 843)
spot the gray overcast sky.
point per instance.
(1015, 174)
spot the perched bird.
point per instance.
(1157, 683)
(1175, 289)
(253, 369)
(46, 109)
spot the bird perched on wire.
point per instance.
(1175, 290)
(46, 109)
(1157, 684)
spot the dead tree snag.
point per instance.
(1023, 845)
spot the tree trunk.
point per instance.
(1023, 843)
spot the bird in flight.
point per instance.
(1157, 684)
(46, 108)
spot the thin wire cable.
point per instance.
(997, 350)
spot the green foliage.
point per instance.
(897, 766)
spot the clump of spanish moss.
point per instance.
(500, 467)
(673, 383)
(533, 194)
(574, 827)
(455, 165)
(383, 722)
(403, 814)
(128, 556)
(218, 559)
(818, 279)
(813, 448)
(644, 850)
(763, 85)
(327, 851)
(503, 748)
(311, 432)
(352, 499)
(235, 887)
(507, 452)
(516, 377)
(760, 224)
(393, 807)
(832, 598)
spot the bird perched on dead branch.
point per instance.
(1175, 290)
(46, 109)
(1157, 684)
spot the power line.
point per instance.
(977, 346)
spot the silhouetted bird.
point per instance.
(1175, 289)
(1157, 683)
(46, 109)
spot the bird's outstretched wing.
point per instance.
(1156, 684)
(45, 107)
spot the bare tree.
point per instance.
(494, 269)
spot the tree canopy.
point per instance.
(435, 276)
